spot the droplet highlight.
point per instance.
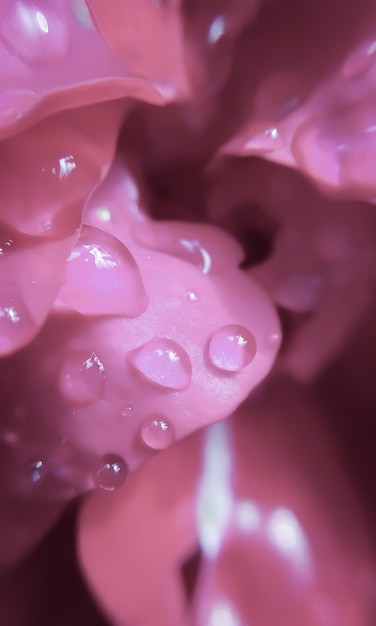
(16, 324)
(111, 472)
(157, 432)
(232, 348)
(164, 363)
(82, 378)
(126, 411)
(192, 296)
(102, 277)
(36, 471)
(265, 140)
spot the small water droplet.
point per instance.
(111, 472)
(163, 362)
(194, 252)
(157, 432)
(6, 245)
(126, 411)
(180, 240)
(192, 296)
(232, 348)
(82, 378)
(36, 470)
(265, 140)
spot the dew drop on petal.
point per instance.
(232, 348)
(102, 277)
(163, 362)
(192, 296)
(82, 378)
(110, 472)
(16, 324)
(36, 470)
(157, 432)
(126, 411)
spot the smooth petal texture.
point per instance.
(276, 534)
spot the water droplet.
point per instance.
(126, 411)
(103, 277)
(111, 472)
(232, 348)
(192, 296)
(5, 245)
(194, 252)
(265, 140)
(157, 432)
(163, 362)
(191, 244)
(36, 470)
(82, 378)
(16, 324)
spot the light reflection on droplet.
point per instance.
(163, 362)
(192, 296)
(110, 472)
(157, 432)
(232, 348)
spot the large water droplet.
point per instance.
(110, 472)
(163, 362)
(232, 348)
(103, 277)
(82, 378)
(157, 432)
